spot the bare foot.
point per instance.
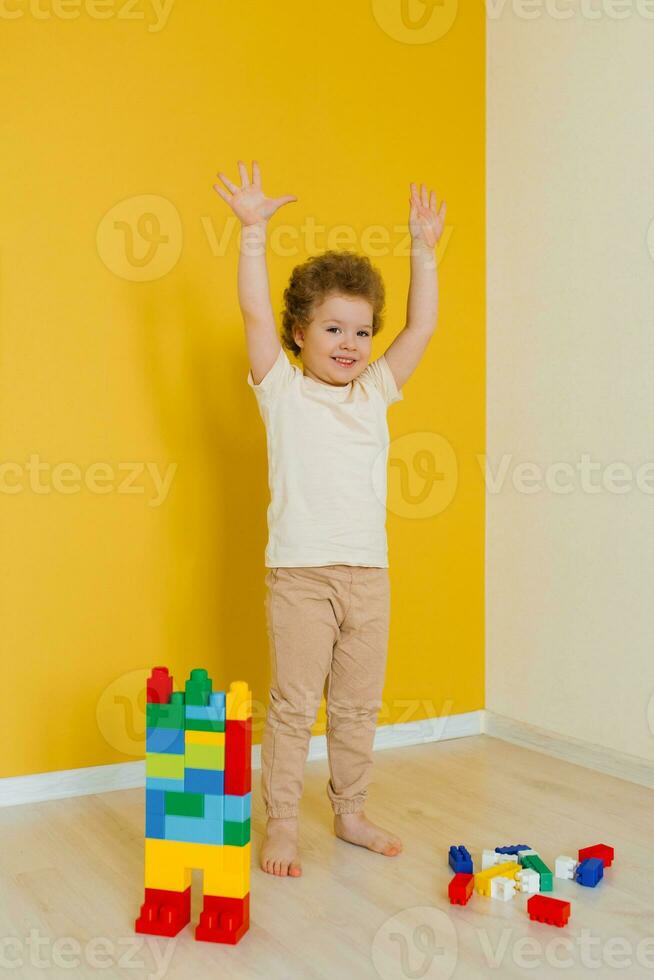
(279, 851)
(357, 829)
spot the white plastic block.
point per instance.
(564, 867)
(523, 854)
(490, 858)
(528, 881)
(503, 888)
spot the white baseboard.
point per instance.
(575, 750)
(36, 788)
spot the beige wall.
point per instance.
(570, 617)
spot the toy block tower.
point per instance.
(198, 794)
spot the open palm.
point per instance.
(426, 224)
(248, 202)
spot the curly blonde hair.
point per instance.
(341, 272)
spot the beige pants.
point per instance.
(325, 624)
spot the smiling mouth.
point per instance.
(344, 361)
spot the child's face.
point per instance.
(341, 326)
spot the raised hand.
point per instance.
(425, 222)
(248, 202)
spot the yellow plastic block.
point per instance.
(226, 868)
(232, 877)
(483, 878)
(203, 738)
(166, 865)
(164, 765)
(204, 756)
(238, 700)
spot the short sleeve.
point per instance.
(279, 377)
(381, 376)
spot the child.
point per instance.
(328, 596)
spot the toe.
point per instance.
(295, 869)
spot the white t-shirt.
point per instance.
(327, 461)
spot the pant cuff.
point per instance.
(282, 811)
(348, 806)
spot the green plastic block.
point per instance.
(184, 804)
(200, 725)
(198, 687)
(236, 833)
(164, 765)
(164, 715)
(536, 863)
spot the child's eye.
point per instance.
(366, 333)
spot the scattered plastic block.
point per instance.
(514, 849)
(460, 888)
(535, 862)
(502, 888)
(460, 860)
(552, 911)
(564, 867)
(590, 872)
(527, 881)
(603, 851)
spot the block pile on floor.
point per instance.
(198, 795)
(518, 868)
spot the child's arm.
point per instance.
(426, 225)
(254, 209)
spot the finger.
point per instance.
(287, 199)
(243, 170)
(425, 196)
(432, 201)
(227, 182)
(415, 197)
(225, 196)
(441, 213)
(256, 174)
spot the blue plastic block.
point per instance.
(199, 830)
(154, 824)
(165, 740)
(155, 801)
(201, 712)
(460, 860)
(238, 808)
(217, 700)
(204, 781)
(513, 849)
(214, 806)
(590, 872)
(159, 782)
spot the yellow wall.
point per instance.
(120, 348)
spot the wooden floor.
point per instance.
(71, 876)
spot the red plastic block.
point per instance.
(603, 851)
(164, 913)
(223, 920)
(460, 888)
(553, 911)
(160, 686)
(238, 757)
